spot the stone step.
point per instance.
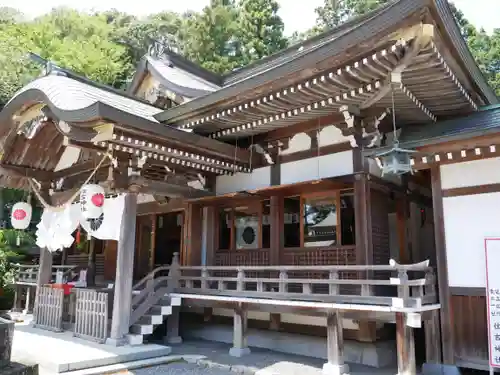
(134, 339)
(152, 319)
(161, 310)
(142, 329)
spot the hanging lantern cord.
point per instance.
(318, 146)
(251, 153)
(394, 117)
(235, 155)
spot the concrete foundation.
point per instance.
(378, 355)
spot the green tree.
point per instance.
(260, 29)
(210, 37)
(137, 35)
(10, 15)
(74, 40)
(335, 12)
(484, 47)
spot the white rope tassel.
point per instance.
(62, 207)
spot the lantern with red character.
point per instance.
(20, 217)
(92, 201)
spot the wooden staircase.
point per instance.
(154, 317)
(151, 303)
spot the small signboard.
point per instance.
(492, 254)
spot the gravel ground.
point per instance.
(179, 369)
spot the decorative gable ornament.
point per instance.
(20, 217)
(396, 161)
(92, 201)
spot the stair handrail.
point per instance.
(149, 296)
(150, 276)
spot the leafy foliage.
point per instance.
(484, 47)
(10, 253)
(224, 36)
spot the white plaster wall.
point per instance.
(259, 178)
(471, 173)
(468, 220)
(69, 157)
(299, 142)
(338, 164)
(329, 135)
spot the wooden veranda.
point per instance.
(258, 149)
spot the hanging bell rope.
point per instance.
(62, 207)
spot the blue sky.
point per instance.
(483, 13)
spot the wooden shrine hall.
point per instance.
(266, 199)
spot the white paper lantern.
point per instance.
(91, 201)
(20, 217)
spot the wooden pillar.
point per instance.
(124, 271)
(27, 303)
(211, 227)
(415, 218)
(192, 236)
(17, 293)
(240, 346)
(442, 269)
(362, 222)
(173, 321)
(44, 271)
(402, 215)
(152, 251)
(335, 346)
(432, 338)
(91, 266)
(405, 346)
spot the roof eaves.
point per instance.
(485, 121)
(267, 62)
(140, 71)
(460, 45)
(193, 68)
(388, 17)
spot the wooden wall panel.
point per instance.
(380, 209)
(470, 330)
(110, 251)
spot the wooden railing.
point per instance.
(154, 286)
(410, 286)
(49, 309)
(91, 315)
(27, 274)
(287, 283)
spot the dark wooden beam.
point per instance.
(442, 268)
(85, 167)
(471, 190)
(26, 172)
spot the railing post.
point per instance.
(283, 281)
(335, 346)
(403, 288)
(405, 346)
(172, 337)
(333, 289)
(240, 347)
(430, 283)
(240, 283)
(204, 276)
(174, 273)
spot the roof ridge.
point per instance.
(53, 68)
